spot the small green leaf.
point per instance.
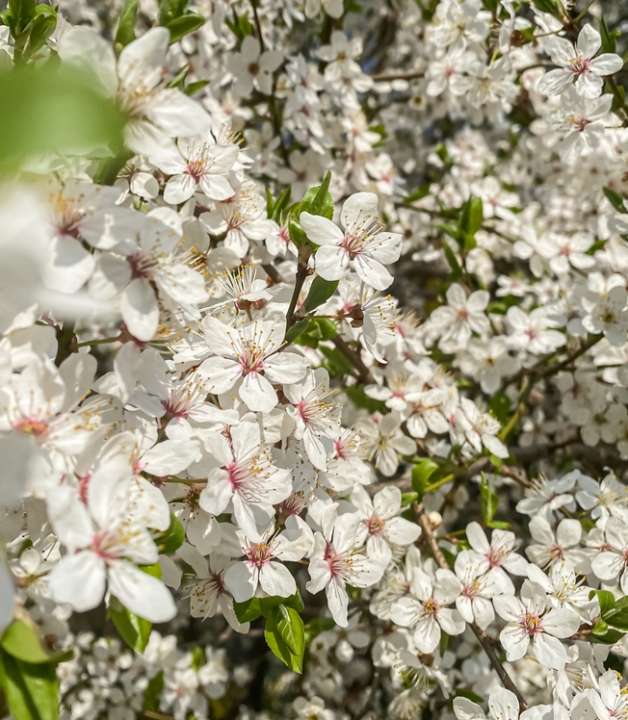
(320, 291)
(285, 636)
(249, 610)
(360, 399)
(133, 629)
(184, 25)
(31, 690)
(421, 474)
(171, 539)
(125, 32)
(418, 194)
(318, 200)
(452, 260)
(608, 38)
(615, 199)
(488, 500)
(153, 692)
(605, 599)
(472, 215)
(21, 640)
(617, 617)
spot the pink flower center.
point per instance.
(235, 475)
(32, 426)
(352, 244)
(580, 66)
(196, 169)
(335, 562)
(101, 545)
(431, 607)
(259, 554)
(532, 624)
(375, 525)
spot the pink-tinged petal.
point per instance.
(503, 704)
(561, 622)
(78, 580)
(372, 272)
(331, 262)
(140, 310)
(277, 580)
(427, 635)
(140, 592)
(515, 641)
(257, 393)
(320, 230)
(221, 374)
(179, 189)
(589, 41)
(241, 580)
(215, 496)
(607, 64)
(400, 531)
(406, 611)
(358, 209)
(451, 621)
(549, 651)
(338, 601)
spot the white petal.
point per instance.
(78, 580)
(338, 601)
(241, 580)
(221, 374)
(320, 230)
(549, 651)
(257, 393)
(141, 593)
(179, 189)
(276, 579)
(170, 457)
(139, 308)
(503, 704)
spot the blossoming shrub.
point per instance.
(314, 354)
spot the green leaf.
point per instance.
(488, 500)
(605, 599)
(408, 498)
(320, 292)
(421, 474)
(77, 116)
(617, 617)
(39, 29)
(249, 610)
(452, 260)
(472, 215)
(608, 38)
(312, 332)
(615, 199)
(133, 629)
(21, 640)
(601, 633)
(31, 690)
(316, 626)
(336, 363)
(297, 234)
(171, 539)
(21, 13)
(285, 636)
(184, 25)
(125, 32)
(153, 692)
(170, 10)
(418, 194)
(500, 407)
(194, 87)
(548, 6)
(318, 200)
(360, 399)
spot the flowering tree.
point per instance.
(314, 355)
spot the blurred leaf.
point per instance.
(472, 215)
(615, 199)
(76, 116)
(184, 25)
(617, 616)
(360, 399)
(318, 200)
(31, 690)
(153, 692)
(249, 610)
(320, 291)
(421, 192)
(171, 539)
(133, 629)
(421, 474)
(608, 38)
(22, 640)
(125, 33)
(285, 636)
(488, 500)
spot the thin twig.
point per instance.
(482, 637)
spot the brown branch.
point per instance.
(482, 637)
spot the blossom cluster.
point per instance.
(319, 356)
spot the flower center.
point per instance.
(532, 624)
(258, 554)
(32, 426)
(375, 525)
